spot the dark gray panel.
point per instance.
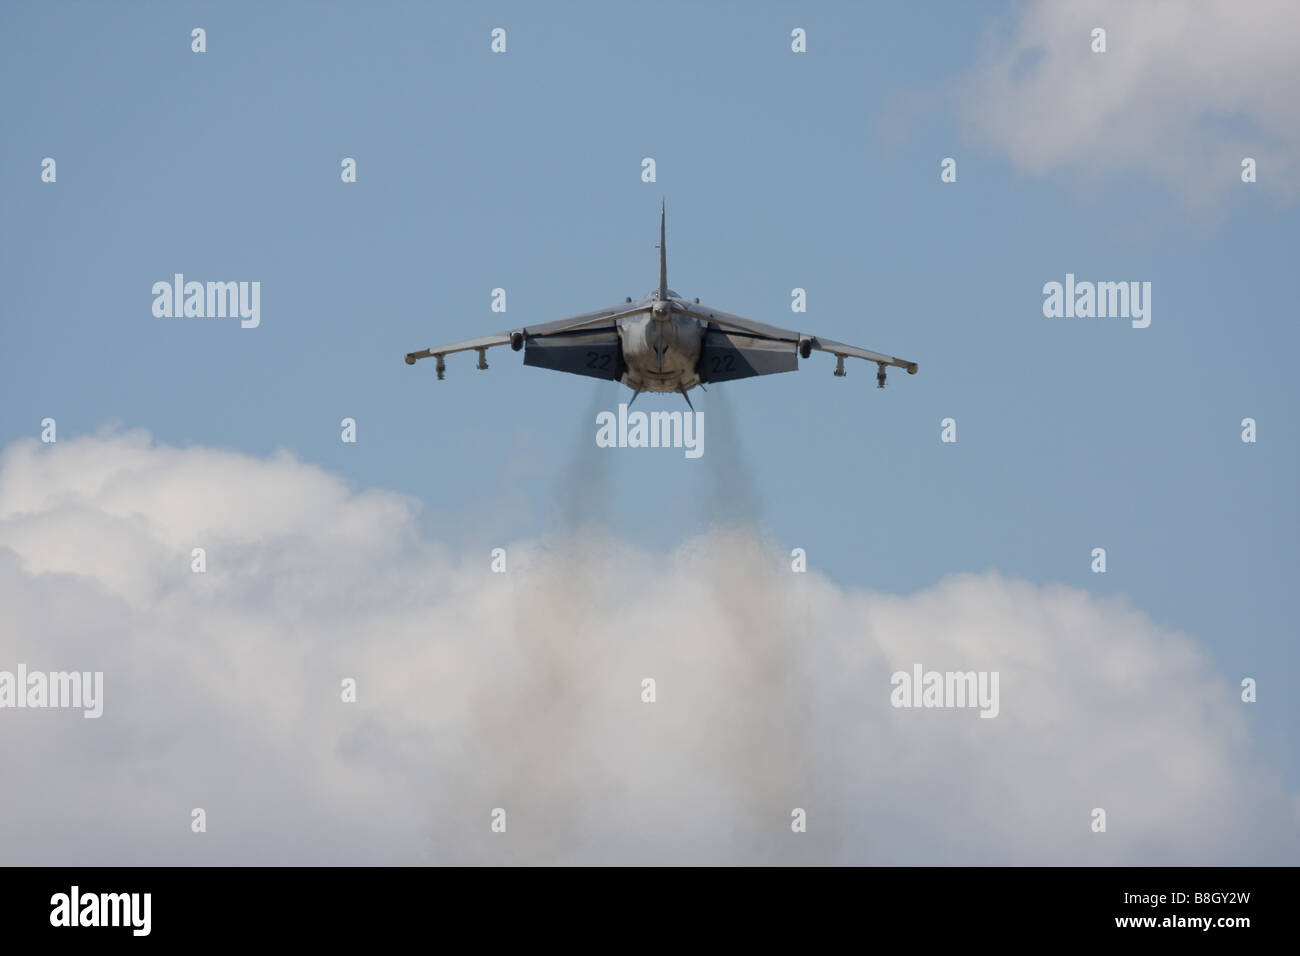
(729, 355)
(597, 354)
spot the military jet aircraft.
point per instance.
(662, 343)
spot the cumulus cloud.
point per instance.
(523, 691)
(1183, 92)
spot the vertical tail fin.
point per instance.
(663, 255)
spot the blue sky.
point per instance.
(522, 171)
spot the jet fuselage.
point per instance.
(661, 349)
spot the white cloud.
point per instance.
(1183, 93)
(523, 691)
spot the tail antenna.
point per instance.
(663, 253)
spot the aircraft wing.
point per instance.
(750, 340)
(485, 342)
(840, 349)
(566, 345)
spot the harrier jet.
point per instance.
(663, 343)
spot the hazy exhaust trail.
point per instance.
(583, 497)
(561, 733)
(530, 720)
(733, 498)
